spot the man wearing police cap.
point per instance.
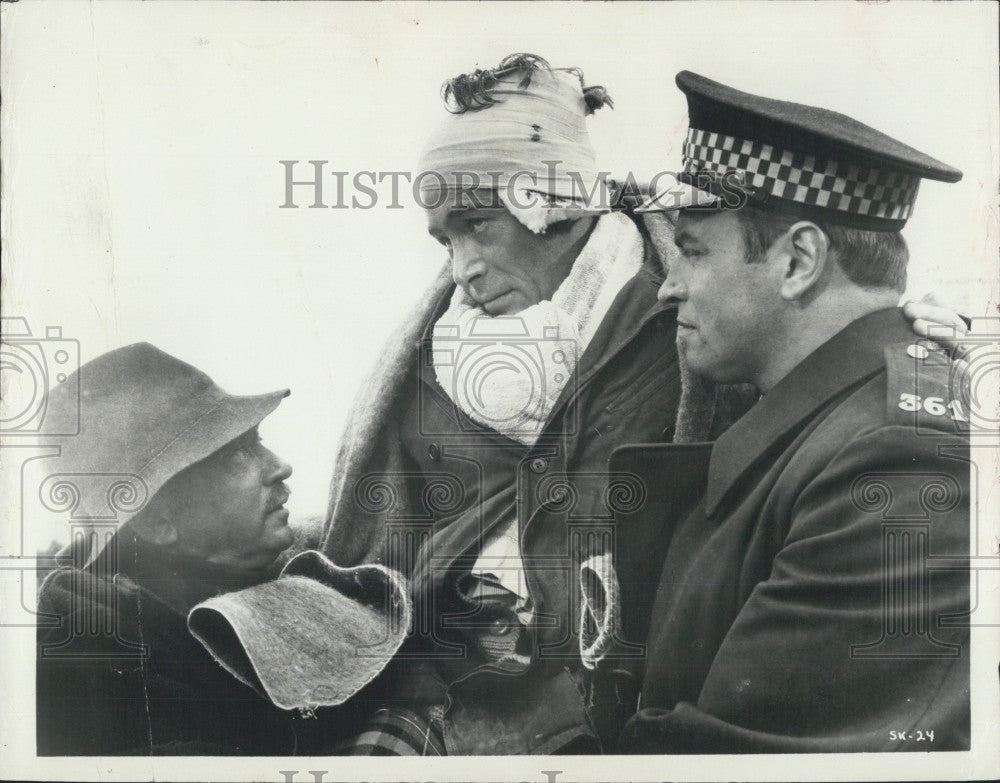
(813, 597)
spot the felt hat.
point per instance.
(144, 416)
(311, 638)
(804, 160)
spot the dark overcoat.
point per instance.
(816, 597)
(118, 673)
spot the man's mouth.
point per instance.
(279, 500)
(486, 302)
(681, 324)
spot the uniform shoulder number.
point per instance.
(935, 406)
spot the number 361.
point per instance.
(935, 406)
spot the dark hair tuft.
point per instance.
(471, 91)
(596, 97)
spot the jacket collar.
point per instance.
(178, 581)
(635, 306)
(849, 357)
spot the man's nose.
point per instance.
(466, 264)
(277, 469)
(673, 288)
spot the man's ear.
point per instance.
(154, 527)
(807, 251)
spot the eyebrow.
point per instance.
(463, 208)
(684, 237)
(460, 211)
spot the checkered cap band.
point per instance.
(795, 176)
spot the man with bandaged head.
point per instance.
(476, 462)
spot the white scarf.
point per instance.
(506, 372)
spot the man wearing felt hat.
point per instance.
(813, 597)
(176, 504)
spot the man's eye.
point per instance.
(246, 448)
(476, 224)
(239, 459)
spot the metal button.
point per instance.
(539, 465)
(434, 452)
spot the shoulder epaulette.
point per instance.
(925, 388)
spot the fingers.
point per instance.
(943, 326)
(930, 298)
(934, 319)
(939, 308)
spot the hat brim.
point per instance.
(679, 195)
(312, 638)
(226, 421)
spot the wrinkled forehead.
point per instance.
(451, 201)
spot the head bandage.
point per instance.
(531, 146)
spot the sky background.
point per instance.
(142, 187)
